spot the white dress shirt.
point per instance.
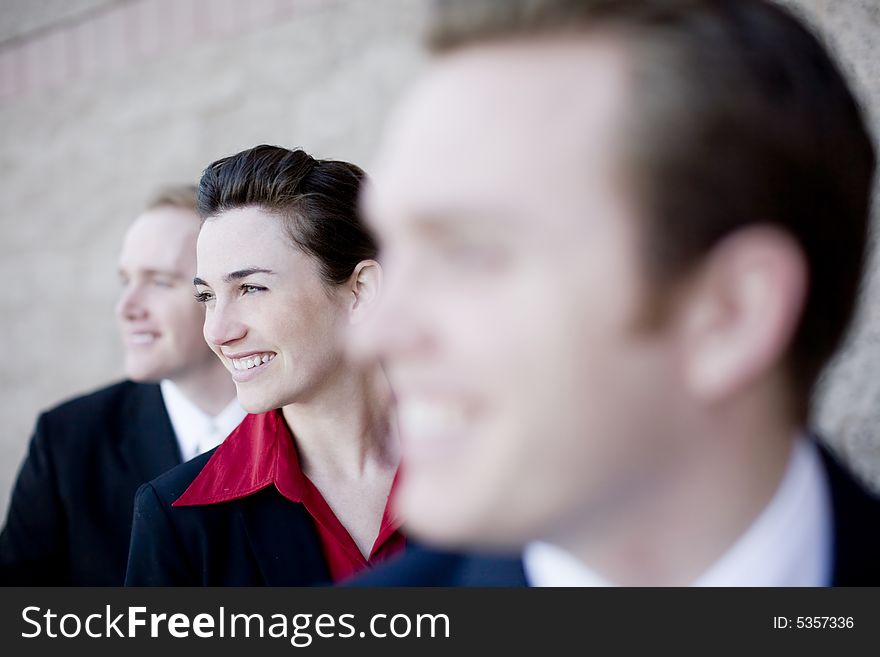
(788, 544)
(196, 431)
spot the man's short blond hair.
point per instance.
(175, 196)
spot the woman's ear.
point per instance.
(365, 285)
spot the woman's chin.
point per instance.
(255, 406)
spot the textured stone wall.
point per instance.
(103, 100)
(847, 407)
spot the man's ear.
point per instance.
(743, 311)
(365, 285)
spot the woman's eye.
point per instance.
(250, 289)
(203, 297)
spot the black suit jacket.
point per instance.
(856, 517)
(69, 518)
(263, 539)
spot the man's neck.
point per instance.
(694, 513)
(209, 388)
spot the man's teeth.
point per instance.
(427, 420)
(141, 338)
(251, 361)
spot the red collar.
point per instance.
(258, 453)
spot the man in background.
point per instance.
(621, 240)
(69, 519)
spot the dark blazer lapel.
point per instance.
(149, 444)
(491, 571)
(284, 541)
(856, 528)
(421, 566)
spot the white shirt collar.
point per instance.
(196, 431)
(788, 544)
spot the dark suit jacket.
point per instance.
(856, 517)
(263, 539)
(69, 519)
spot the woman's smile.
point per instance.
(246, 367)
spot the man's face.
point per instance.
(528, 399)
(160, 322)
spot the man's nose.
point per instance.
(130, 305)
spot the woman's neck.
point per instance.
(347, 428)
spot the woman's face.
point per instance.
(269, 317)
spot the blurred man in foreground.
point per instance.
(621, 239)
(69, 520)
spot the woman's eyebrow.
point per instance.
(236, 275)
(244, 273)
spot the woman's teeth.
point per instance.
(251, 361)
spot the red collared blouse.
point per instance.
(260, 452)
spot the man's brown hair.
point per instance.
(737, 116)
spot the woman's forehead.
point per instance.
(246, 238)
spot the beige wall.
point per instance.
(156, 89)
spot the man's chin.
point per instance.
(453, 526)
(140, 374)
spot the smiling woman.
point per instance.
(270, 310)
(298, 494)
